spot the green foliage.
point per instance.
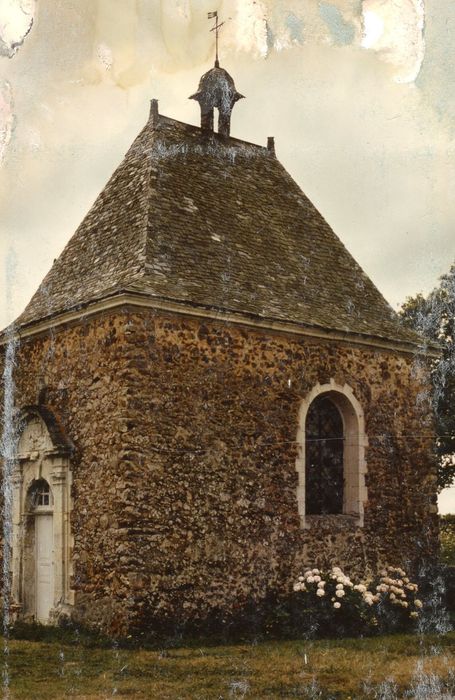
(433, 318)
(68, 634)
(339, 607)
(447, 538)
(322, 605)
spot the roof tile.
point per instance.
(216, 222)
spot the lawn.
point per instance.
(383, 667)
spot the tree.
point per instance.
(433, 317)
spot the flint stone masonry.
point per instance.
(184, 473)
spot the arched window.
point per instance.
(39, 495)
(331, 454)
(324, 437)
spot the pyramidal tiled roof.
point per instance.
(199, 219)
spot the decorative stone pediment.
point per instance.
(34, 440)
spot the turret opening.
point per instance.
(216, 91)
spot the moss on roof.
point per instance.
(215, 222)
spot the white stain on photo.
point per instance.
(394, 29)
(16, 20)
(6, 117)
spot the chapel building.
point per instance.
(210, 394)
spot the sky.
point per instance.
(359, 95)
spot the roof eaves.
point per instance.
(130, 294)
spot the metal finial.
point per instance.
(216, 28)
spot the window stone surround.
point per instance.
(354, 463)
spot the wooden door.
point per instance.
(44, 542)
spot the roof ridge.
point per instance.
(153, 126)
(163, 119)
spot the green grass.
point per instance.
(350, 668)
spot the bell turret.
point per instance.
(216, 90)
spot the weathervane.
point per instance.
(214, 15)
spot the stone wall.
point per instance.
(184, 476)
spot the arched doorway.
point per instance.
(38, 559)
(41, 539)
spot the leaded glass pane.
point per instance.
(40, 494)
(323, 458)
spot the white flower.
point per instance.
(297, 587)
(320, 592)
(339, 593)
(404, 604)
(301, 579)
(414, 614)
(307, 573)
(360, 587)
(321, 584)
(340, 579)
(310, 579)
(337, 605)
(339, 586)
(392, 596)
(316, 579)
(349, 583)
(368, 600)
(396, 590)
(418, 603)
(315, 572)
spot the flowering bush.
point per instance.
(338, 604)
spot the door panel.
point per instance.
(44, 540)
